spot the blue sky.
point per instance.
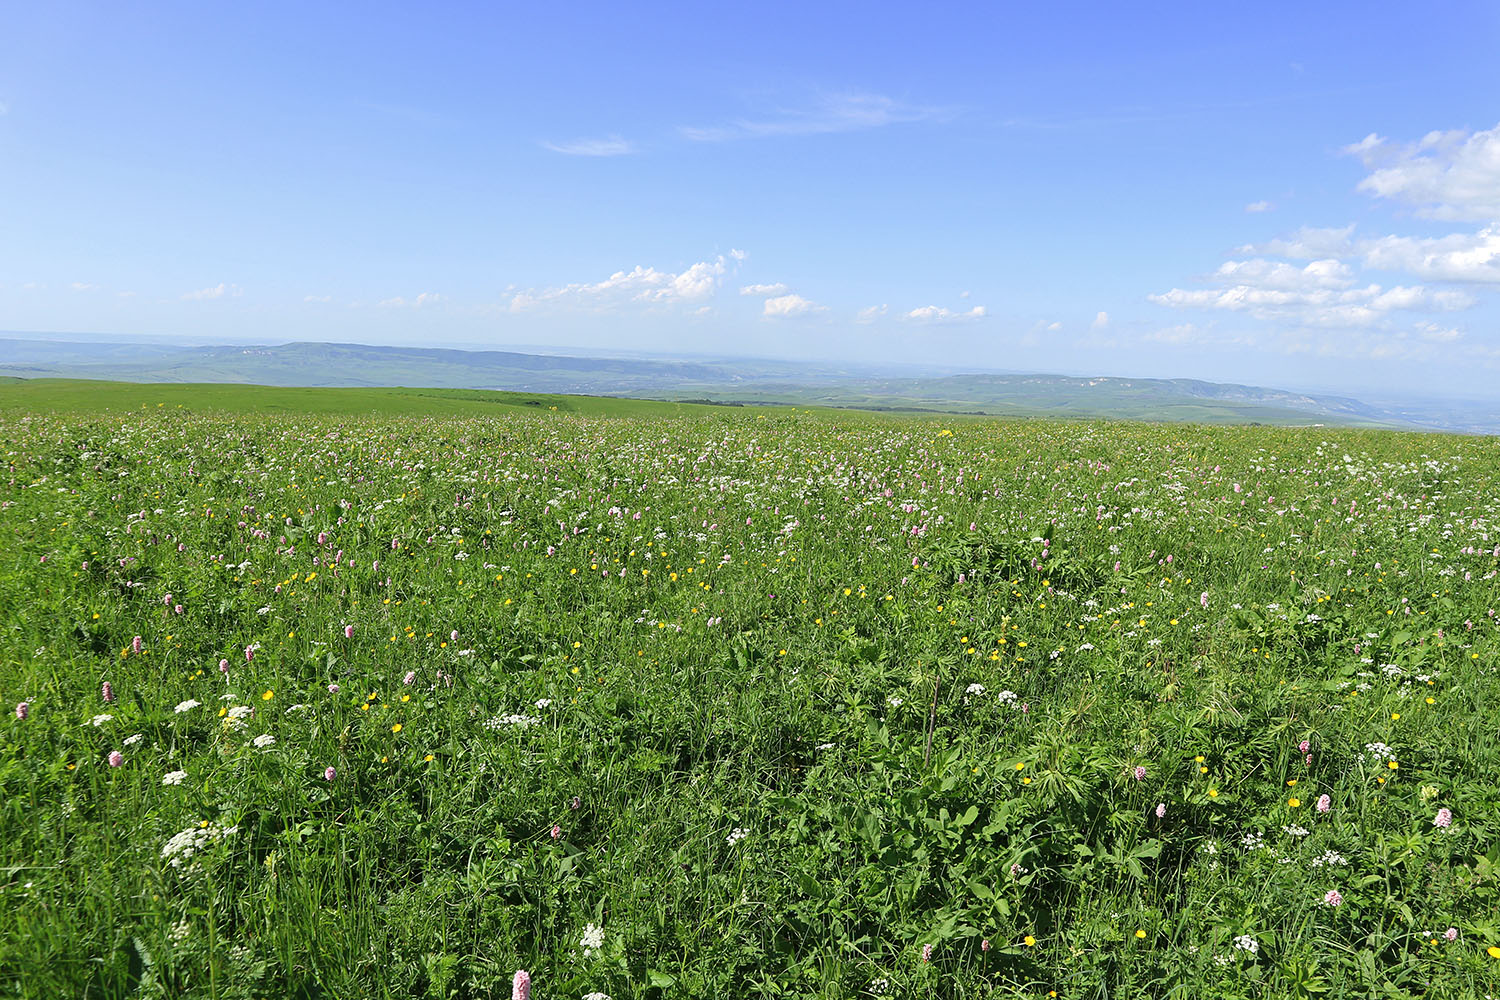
(1301, 195)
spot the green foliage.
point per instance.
(669, 701)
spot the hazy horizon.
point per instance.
(1290, 197)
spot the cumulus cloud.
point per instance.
(776, 289)
(1467, 257)
(1100, 321)
(870, 314)
(845, 112)
(790, 305)
(612, 145)
(1444, 175)
(940, 314)
(1287, 294)
(1259, 206)
(214, 292)
(641, 285)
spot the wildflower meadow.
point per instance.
(743, 702)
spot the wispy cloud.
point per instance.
(214, 292)
(1259, 206)
(317, 298)
(842, 112)
(423, 299)
(870, 314)
(777, 289)
(83, 286)
(612, 145)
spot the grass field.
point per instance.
(392, 693)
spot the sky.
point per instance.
(1295, 195)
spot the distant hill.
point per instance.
(872, 387)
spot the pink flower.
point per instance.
(927, 953)
(249, 653)
(1323, 803)
(107, 692)
(135, 644)
(116, 758)
(453, 636)
(520, 986)
(411, 675)
(1140, 773)
(333, 689)
(1451, 934)
(330, 774)
(556, 831)
(1443, 819)
(984, 945)
(1161, 809)
(1332, 898)
(223, 666)
(22, 709)
(1203, 599)
(167, 600)
(1303, 746)
(348, 631)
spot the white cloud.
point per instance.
(739, 255)
(83, 286)
(642, 285)
(317, 298)
(790, 305)
(870, 314)
(1456, 257)
(1445, 175)
(423, 299)
(1267, 292)
(940, 314)
(214, 292)
(1259, 206)
(776, 289)
(1275, 274)
(1307, 243)
(847, 112)
(609, 146)
(1100, 322)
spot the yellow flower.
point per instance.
(1294, 803)
(1140, 934)
(1199, 758)
(396, 728)
(1492, 951)
(268, 695)
(1291, 782)
(1202, 769)
(1395, 716)
(1020, 766)
(429, 758)
(1392, 765)
(1213, 793)
(1028, 940)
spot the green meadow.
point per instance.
(332, 693)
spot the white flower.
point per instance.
(1006, 697)
(264, 740)
(974, 689)
(100, 720)
(240, 711)
(505, 721)
(173, 777)
(543, 702)
(187, 706)
(593, 940)
(738, 834)
(596, 995)
(893, 701)
(131, 741)
(1246, 943)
